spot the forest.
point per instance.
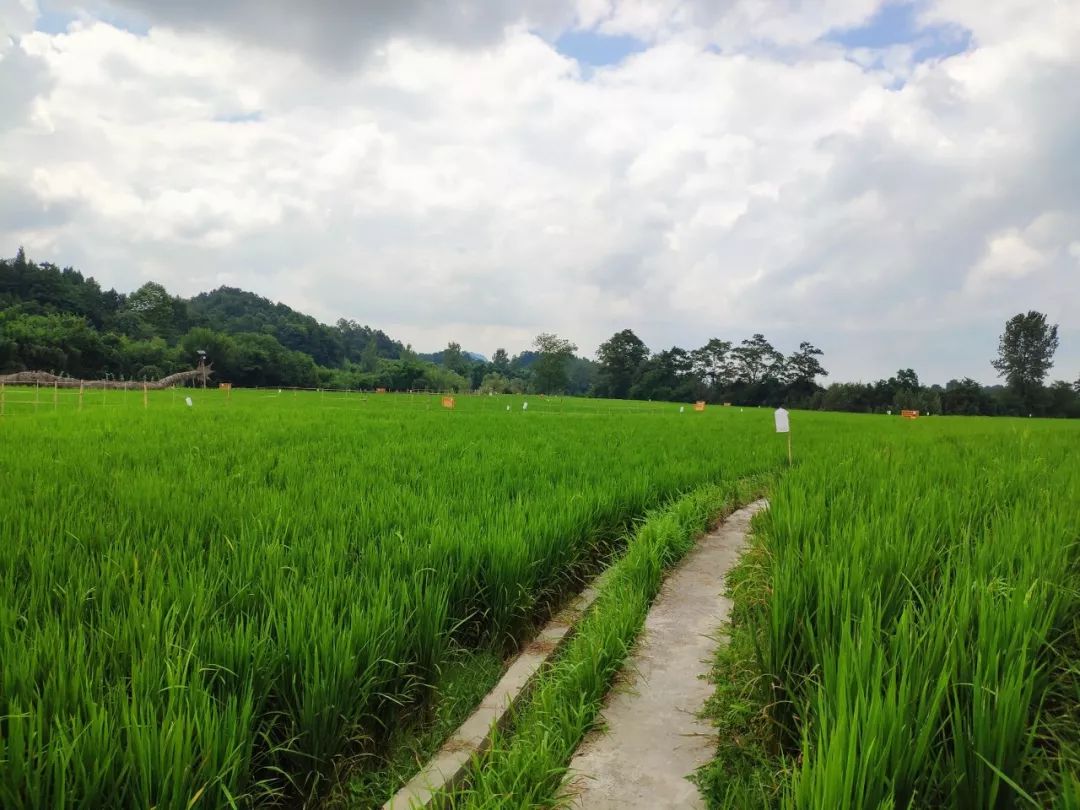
(58, 320)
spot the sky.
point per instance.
(889, 181)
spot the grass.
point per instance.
(750, 767)
(905, 630)
(227, 604)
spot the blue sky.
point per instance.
(894, 23)
(898, 24)
(596, 50)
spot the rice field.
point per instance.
(232, 604)
(220, 604)
(907, 631)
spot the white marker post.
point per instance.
(783, 426)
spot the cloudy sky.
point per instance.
(889, 181)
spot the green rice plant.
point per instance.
(221, 604)
(526, 767)
(917, 620)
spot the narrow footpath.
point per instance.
(649, 738)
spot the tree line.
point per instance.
(54, 319)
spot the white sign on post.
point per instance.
(187, 400)
(781, 417)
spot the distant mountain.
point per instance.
(59, 321)
(437, 357)
(231, 310)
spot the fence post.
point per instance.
(145, 404)
(55, 394)
(81, 393)
(1, 399)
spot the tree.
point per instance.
(756, 360)
(1025, 354)
(164, 315)
(965, 398)
(369, 358)
(454, 359)
(500, 361)
(713, 363)
(581, 374)
(146, 359)
(233, 311)
(621, 358)
(549, 370)
(53, 342)
(494, 383)
(1062, 400)
(219, 348)
(803, 366)
(906, 379)
(668, 376)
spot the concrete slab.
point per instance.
(448, 766)
(650, 737)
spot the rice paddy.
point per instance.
(236, 603)
(907, 630)
(221, 604)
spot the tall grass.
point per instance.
(210, 606)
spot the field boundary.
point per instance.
(448, 766)
(530, 758)
(649, 738)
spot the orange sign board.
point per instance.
(225, 386)
(910, 414)
(448, 402)
(699, 405)
(380, 390)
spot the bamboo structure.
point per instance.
(37, 378)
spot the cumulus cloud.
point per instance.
(453, 176)
(341, 32)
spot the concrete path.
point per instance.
(649, 738)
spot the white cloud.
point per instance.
(1008, 256)
(479, 186)
(16, 18)
(728, 24)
